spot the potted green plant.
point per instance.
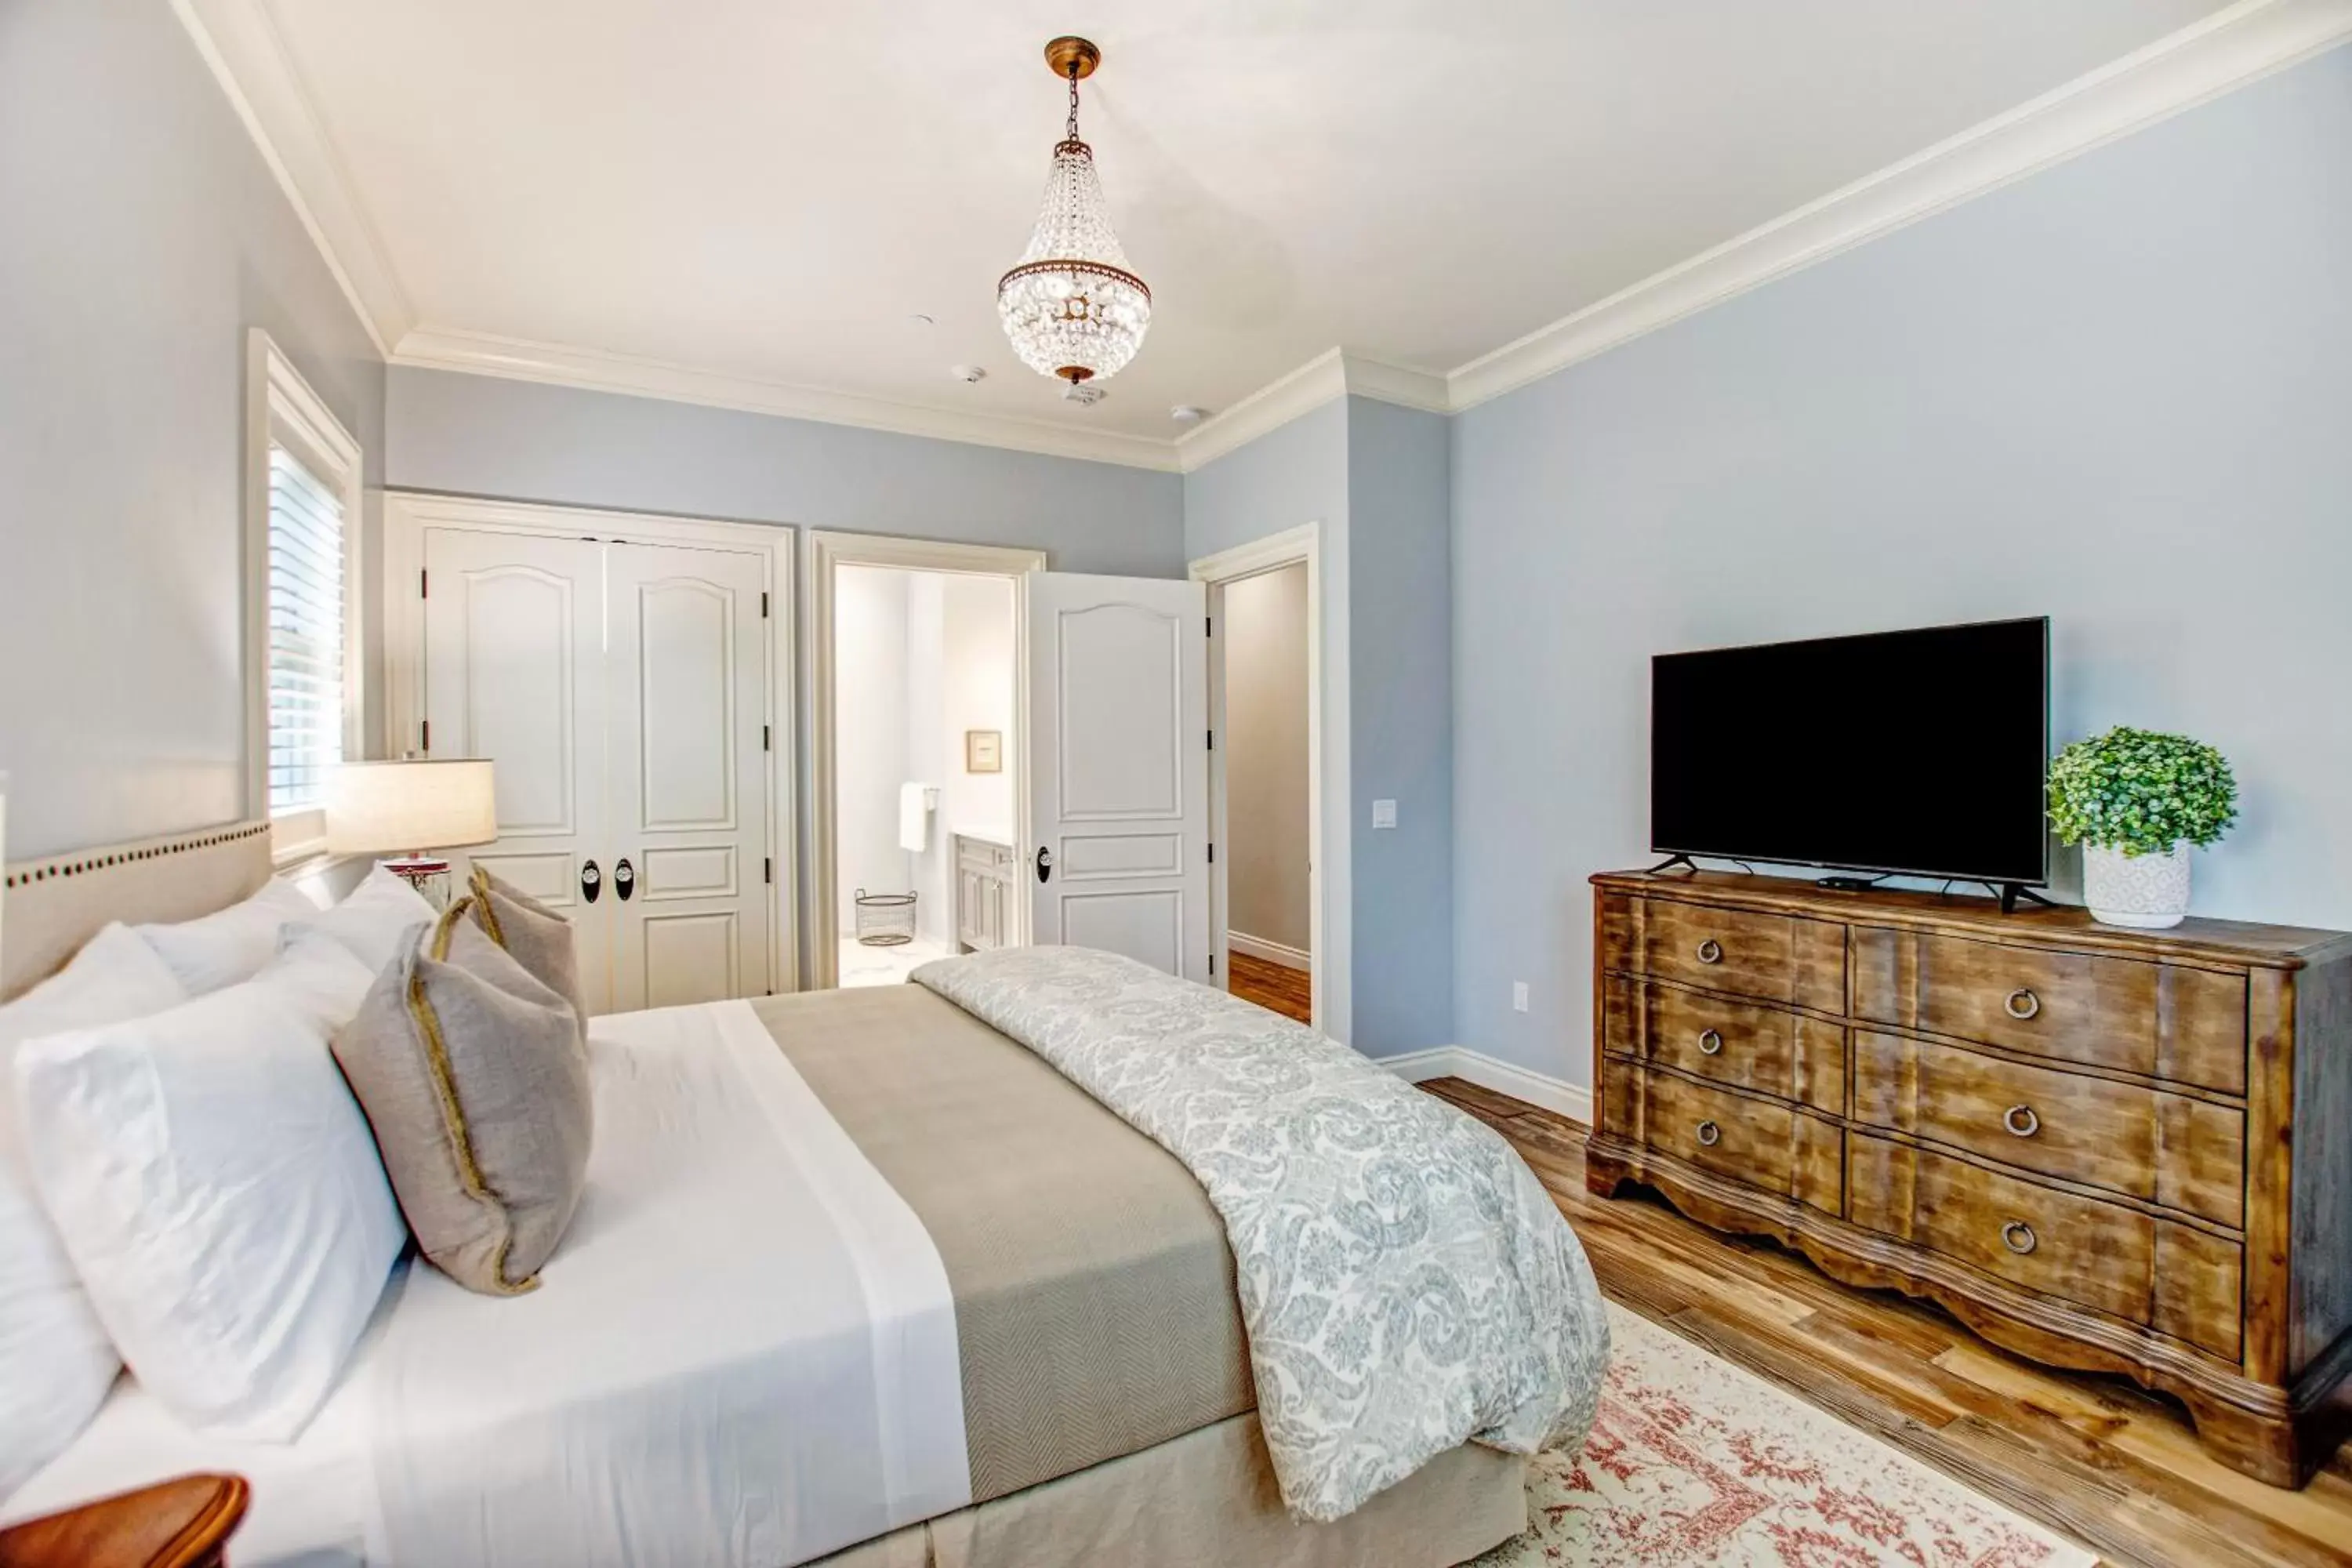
(2136, 800)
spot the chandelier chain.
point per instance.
(1074, 101)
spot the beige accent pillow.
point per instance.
(472, 1077)
(539, 938)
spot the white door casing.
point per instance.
(1329, 927)
(1118, 775)
(688, 706)
(513, 670)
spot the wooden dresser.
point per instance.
(2124, 1150)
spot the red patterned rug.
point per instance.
(1696, 1461)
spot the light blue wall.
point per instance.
(2119, 393)
(1400, 669)
(1374, 476)
(1292, 475)
(484, 435)
(140, 236)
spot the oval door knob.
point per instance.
(1045, 864)
(2018, 1237)
(2022, 1004)
(1709, 1134)
(625, 879)
(1710, 951)
(1710, 1043)
(592, 881)
(2020, 1121)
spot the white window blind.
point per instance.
(306, 634)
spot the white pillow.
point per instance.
(230, 944)
(373, 919)
(220, 1190)
(56, 1362)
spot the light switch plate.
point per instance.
(1383, 814)
(1518, 996)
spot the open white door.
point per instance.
(1118, 767)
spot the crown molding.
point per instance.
(1333, 374)
(2227, 50)
(594, 369)
(241, 46)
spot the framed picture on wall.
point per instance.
(983, 750)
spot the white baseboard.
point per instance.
(1542, 1090)
(1271, 951)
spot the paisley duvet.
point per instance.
(1406, 1283)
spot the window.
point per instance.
(302, 576)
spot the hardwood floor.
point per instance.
(1286, 991)
(2093, 1458)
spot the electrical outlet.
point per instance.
(1383, 814)
(1518, 996)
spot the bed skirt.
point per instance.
(1208, 1500)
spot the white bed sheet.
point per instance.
(743, 1352)
(313, 1498)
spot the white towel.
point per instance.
(915, 817)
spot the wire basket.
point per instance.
(884, 920)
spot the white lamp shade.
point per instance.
(390, 808)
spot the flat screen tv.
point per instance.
(1919, 752)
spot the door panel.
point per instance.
(1118, 760)
(689, 707)
(513, 664)
(686, 678)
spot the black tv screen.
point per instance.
(1914, 751)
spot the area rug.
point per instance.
(1695, 1461)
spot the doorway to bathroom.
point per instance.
(920, 731)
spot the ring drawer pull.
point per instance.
(2022, 1004)
(2018, 1237)
(1710, 951)
(2020, 1121)
(1710, 1043)
(1710, 1134)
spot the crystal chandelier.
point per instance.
(1071, 306)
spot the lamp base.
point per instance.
(429, 875)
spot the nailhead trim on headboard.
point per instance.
(80, 862)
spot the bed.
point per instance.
(859, 1279)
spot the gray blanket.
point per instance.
(1406, 1283)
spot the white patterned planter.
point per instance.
(2146, 892)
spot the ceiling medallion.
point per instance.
(1071, 306)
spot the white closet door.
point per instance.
(514, 671)
(688, 672)
(1118, 767)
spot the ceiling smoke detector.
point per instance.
(1085, 394)
(1188, 414)
(966, 373)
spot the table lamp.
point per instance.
(404, 809)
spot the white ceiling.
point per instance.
(769, 190)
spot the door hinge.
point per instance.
(767, 868)
(763, 738)
(1212, 740)
(1213, 854)
(425, 735)
(1213, 963)
(1207, 625)
(424, 584)
(763, 605)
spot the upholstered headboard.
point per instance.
(49, 908)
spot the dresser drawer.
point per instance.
(2101, 1255)
(1775, 958)
(2161, 1019)
(1741, 1043)
(2142, 1142)
(1763, 1143)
